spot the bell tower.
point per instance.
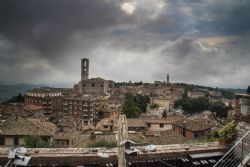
(85, 69)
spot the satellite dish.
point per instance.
(102, 155)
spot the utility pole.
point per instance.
(122, 136)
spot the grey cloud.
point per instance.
(43, 41)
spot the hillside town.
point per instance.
(87, 115)
(72, 117)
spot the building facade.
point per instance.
(43, 97)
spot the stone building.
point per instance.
(13, 132)
(97, 86)
(161, 102)
(84, 108)
(242, 106)
(191, 128)
(42, 97)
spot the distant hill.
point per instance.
(228, 93)
(7, 91)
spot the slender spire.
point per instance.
(168, 78)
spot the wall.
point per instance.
(245, 107)
(9, 141)
(100, 87)
(77, 159)
(188, 134)
(156, 127)
(161, 103)
(21, 140)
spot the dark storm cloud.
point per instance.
(48, 26)
(43, 41)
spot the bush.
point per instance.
(219, 108)
(228, 133)
(35, 142)
(109, 144)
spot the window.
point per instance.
(161, 125)
(184, 132)
(84, 85)
(196, 135)
(16, 143)
(1, 141)
(93, 84)
(105, 127)
(149, 125)
(101, 85)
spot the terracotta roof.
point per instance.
(23, 127)
(140, 122)
(192, 125)
(106, 121)
(168, 120)
(33, 107)
(95, 80)
(48, 126)
(66, 135)
(166, 137)
(136, 123)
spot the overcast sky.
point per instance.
(203, 42)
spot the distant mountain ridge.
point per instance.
(8, 91)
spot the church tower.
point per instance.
(84, 69)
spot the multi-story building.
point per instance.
(82, 107)
(86, 101)
(161, 102)
(42, 97)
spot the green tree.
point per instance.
(192, 105)
(35, 142)
(248, 89)
(219, 108)
(142, 102)
(16, 99)
(130, 108)
(228, 133)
